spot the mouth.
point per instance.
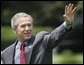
(27, 33)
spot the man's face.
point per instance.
(24, 28)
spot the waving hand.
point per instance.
(69, 13)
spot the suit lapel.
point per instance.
(28, 50)
(12, 53)
(28, 53)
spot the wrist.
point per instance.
(67, 25)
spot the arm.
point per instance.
(51, 40)
(1, 59)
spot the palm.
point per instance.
(69, 13)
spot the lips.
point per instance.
(27, 33)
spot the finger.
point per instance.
(73, 10)
(65, 9)
(68, 7)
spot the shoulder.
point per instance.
(8, 49)
(41, 34)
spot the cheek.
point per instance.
(20, 32)
(31, 28)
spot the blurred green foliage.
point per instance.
(68, 57)
(45, 13)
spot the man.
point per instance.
(29, 49)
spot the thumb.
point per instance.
(64, 16)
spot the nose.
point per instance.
(26, 28)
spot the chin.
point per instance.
(26, 38)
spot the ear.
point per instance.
(14, 30)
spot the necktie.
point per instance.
(22, 57)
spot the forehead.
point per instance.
(24, 20)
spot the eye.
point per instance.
(23, 26)
(29, 25)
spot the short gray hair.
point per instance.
(17, 16)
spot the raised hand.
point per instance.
(69, 13)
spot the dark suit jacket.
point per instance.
(41, 50)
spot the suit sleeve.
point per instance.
(2, 62)
(52, 39)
